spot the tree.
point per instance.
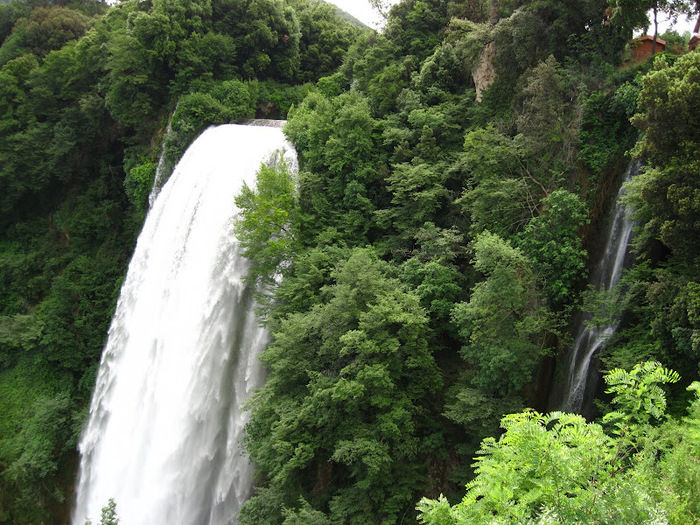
(337, 142)
(49, 28)
(500, 196)
(346, 397)
(633, 14)
(638, 396)
(109, 514)
(552, 241)
(503, 325)
(666, 194)
(270, 219)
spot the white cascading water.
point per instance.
(158, 179)
(165, 422)
(606, 276)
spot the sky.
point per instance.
(682, 26)
(362, 10)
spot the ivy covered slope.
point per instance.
(85, 96)
(455, 174)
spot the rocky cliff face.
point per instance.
(484, 73)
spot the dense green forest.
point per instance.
(456, 171)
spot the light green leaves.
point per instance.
(559, 468)
(637, 393)
(270, 217)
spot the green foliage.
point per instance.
(558, 468)
(669, 91)
(552, 240)
(668, 193)
(267, 230)
(503, 324)
(675, 42)
(138, 183)
(663, 196)
(634, 14)
(604, 122)
(499, 197)
(83, 102)
(323, 41)
(276, 99)
(10, 13)
(637, 394)
(395, 153)
(49, 28)
(419, 195)
(266, 36)
(349, 382)
(204, 58)
(437, 285)
(337, 144)
(543, 464)
(108, 515)
(37, 434)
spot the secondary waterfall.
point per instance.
(606, 276)
(165, 422)
(162, 166)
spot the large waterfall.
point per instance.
(606, 276)
(165, 422)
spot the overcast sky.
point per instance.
(362, 10)
(682, 26)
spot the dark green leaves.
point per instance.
(349, 382)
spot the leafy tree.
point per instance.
(323, 40)
(547, 141)
(558, 468)
(31, 457)
(109, 514)
(633, 14)
(267, 231)
(419, 195)
(437, 285)
(266, 36)
(665, 203)
(10, 12)
(552, 240)
(49, 28)
(349, 382)
(337, 145)
(500, 196)
(503, 325)
(138, 183)
(638, 396)
(203, 58)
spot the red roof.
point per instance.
(650, 38)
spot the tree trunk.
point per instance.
(656, 32)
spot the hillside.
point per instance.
(457, 172)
